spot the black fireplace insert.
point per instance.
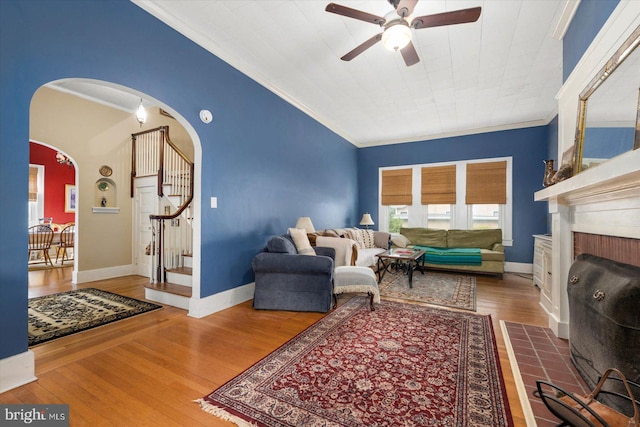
(604, 318)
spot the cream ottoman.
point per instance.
(350, 279)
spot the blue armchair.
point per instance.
(286, 280)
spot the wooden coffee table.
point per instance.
(407, 259)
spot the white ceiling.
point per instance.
(500, 72)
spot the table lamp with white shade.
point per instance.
(366, 220)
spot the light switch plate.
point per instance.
(214, 202)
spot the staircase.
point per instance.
(171, 247)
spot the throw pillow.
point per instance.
(354, 234)
(368, 239)
(364, 238)
(400, 241)
(301, 240)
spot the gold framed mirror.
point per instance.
(609, 109)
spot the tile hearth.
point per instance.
(540, 355)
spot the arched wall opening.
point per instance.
(88, 120)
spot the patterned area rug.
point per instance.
(446, 289)
(400, 365)
(58, 315)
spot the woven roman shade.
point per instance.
(438, 185)
(486, 183)
(33, 184)
(396, 187)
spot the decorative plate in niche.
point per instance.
(105, 170)
(103, 186)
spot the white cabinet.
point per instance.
(542, 269)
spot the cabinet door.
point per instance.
(546, 272)
(538, 267)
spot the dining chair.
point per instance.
(40, 238)
(66, 241)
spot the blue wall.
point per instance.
(587, 22)
(267, 162)
(528, 147)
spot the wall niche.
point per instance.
(105, 194)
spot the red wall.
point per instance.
(56, 176)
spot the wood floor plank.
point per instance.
(148, 369)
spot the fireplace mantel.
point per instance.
(604, 200)
(619, 178)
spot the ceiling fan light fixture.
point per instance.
(396, 36)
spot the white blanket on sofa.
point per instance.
(344, 251)
(343, 247)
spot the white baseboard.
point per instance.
(17, 370)
(518, 267)
(201, 307)
(559, 328)
(103, 273)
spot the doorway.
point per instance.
(146, 203)
(98, 136)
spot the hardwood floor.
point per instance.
(147, 370)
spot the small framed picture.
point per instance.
(567, 156)
(69, 198)
(565, 170)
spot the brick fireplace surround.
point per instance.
(620, 249)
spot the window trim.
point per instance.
(460, 215)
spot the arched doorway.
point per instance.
(93, 121)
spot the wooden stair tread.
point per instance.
(170, 288)
(181, 270)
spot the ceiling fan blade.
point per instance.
(409, 54)
(361, 48)
(405, 7)
(354, 13)
(447, 18)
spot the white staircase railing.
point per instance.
(153, 153)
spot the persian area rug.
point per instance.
(58, 315)
(400, 365)
(446, 289)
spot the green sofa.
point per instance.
(475, 251)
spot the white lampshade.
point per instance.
(304, 222)
(366, 220)
(396, 37)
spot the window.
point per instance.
(439, 216)
(484, 217)
(398, 218)
(471, 194)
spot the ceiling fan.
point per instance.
(397, 29)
